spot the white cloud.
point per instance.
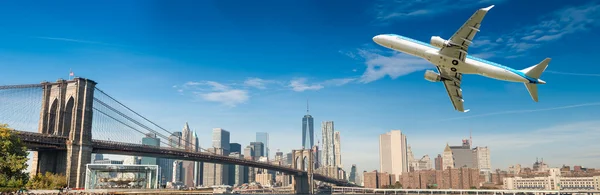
(217, 92)
(258, 83)
(338, 82)
(191, 83)
(398, 64)
(217, 86)
(349, 54)
(229, 97)
(529, 37)
(386, 10)
(569, 20)
(300, 85)
(551, 27)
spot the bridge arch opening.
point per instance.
(52, 117)
(305, 163)
(68, 114)
(298, 163)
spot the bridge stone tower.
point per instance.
(303, 160)
(66, 111)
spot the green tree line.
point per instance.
(13, 163)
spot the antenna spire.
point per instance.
(470, 138)
(307, 106)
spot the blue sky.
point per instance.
(249, 66)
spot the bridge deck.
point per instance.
(38, 141)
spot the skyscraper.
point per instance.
(264, 138)
(198, 166)
(439, 162)
(279, 157)
(235, 151)
(257, 148)
(217, 174)
(175, 140)
(328, 151)
(317, 154)
(289, 159)
(393, 157)
(463, 155)
(447, 158)
(337, 149)
(412, 163)
(220, 139)
(308, 130)
(250, 173)
(186, 137)
(178, 173)
(166, 170)
(353, 175)
(235, 147)
(188, 167)
(150, 140)
(237, 173)
(171, 167)
(482, 155)
(249, 152)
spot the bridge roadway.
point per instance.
(38, 141)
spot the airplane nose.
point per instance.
(378, 38)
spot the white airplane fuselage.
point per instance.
(471, 65)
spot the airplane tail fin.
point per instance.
(535, 72)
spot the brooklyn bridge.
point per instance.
(64, 122)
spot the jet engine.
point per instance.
(438, 42)
(432, 76)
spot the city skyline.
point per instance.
(262, 86)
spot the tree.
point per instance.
(396, 185)
(13, 160)
(49, 181)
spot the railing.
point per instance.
(354, 190)
(350, 190)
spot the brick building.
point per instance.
(377, 179)
(460, 178)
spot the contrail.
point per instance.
(78, 41)
(576, 74)
(522, 111)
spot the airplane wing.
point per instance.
(452, 82)
(460, 41)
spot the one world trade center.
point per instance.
(307, 130)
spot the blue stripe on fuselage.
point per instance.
(531, 80)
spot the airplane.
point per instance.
(452, 60)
